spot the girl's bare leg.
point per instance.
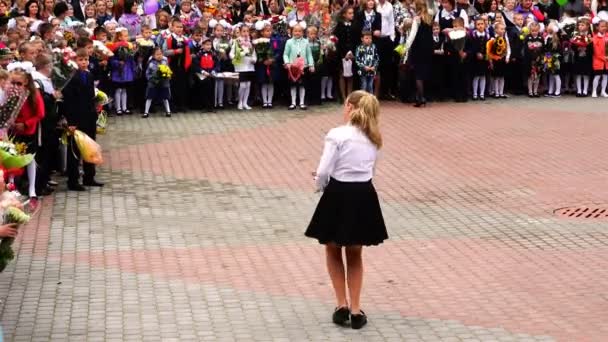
(342, 85)
(335, 268)
(354, 264)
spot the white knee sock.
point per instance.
(242, 88)
(219, 92)
(302, 95)
(330, 91)
(148, 104)
(585, 84)
(264, 91)
(123, 98)
(604, 84)
(31, 175)
(270, 93)
(167, 108)
(530, 86)
(323, 86)
(551, 84)
(482, 86)
(579, 84)
(293, 95)
(247, 91)
(497, 86)
(558, 84)
(596, 82)
(117, 97)
(536, 83)
(475, 85)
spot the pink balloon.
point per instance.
(150, 6)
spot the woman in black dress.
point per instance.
(419, 47)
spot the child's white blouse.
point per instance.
(348, 156)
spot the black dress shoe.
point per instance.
(358, 321)
(340, 316)
(46, 191)
(76, 187)
(92, 183)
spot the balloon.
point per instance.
(562, 2)
(150, 6)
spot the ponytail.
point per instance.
(365, 117)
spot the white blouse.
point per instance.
(348, 156)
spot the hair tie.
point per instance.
(27, 67)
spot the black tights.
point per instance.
(419, 90)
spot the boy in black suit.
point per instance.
(79, 110)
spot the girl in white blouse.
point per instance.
(348, 214)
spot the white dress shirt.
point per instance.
(348, 156)
(388, 19)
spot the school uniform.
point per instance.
(78, 107)
(515, 81)
(349, 211)
(206, 61)
(437, 89)
(456, 69)
(313, 85)
(179, 64)
(476, 44)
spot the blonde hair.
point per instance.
(365, 115)
(3, 75)
(422, 9)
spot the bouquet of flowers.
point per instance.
(222, 48)
(496, 48)
(101, 98)
(581, 43)
(12, 213)
(69, 37)
(551, 63)
(90, 151)
(101, 51)
(163, 73)
(13, 156)
(457, 38)
(124, 50)
(296, 69)
(241, 49)
(15, 98)
(64, 67)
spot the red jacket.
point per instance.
(29, 116)
(600, 62)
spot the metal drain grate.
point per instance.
(590, 213)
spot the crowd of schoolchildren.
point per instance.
(232, 52)
(213, 54)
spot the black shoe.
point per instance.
(93, 183)
(76, 187)
(291, 107)
(303, 107)
(119, 113)
(341, 316)
(145, 115)
(358, 321)
(167, 114)
(128, 112)
(482, 98)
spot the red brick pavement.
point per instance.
(530, 161)
(561, 293)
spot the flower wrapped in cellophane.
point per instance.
(90, 151)
(12, 212)
(101, 51)
(457, 39)
(64, 67)
(15, 97)
(14, 156)
(101, 98)
(296, 69)
(496, 48)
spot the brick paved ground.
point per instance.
(198, 235)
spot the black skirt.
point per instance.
(348, 214)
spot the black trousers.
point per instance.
(74, 159)
(46, 156)
(206, 93)
(179, 90)
(458, 79)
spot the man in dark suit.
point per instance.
(172, 8)
(78, 107)
(79, 7)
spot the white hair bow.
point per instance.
(27, 67)
(295, 23)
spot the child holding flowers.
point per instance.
(581, 44)
(244, 58)
(533, 44)
(123, 69)
(265, 61)
(600, 58)
(552, 60)
(158, 75)
(221, 45)
(499, 53)
(297, 56)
